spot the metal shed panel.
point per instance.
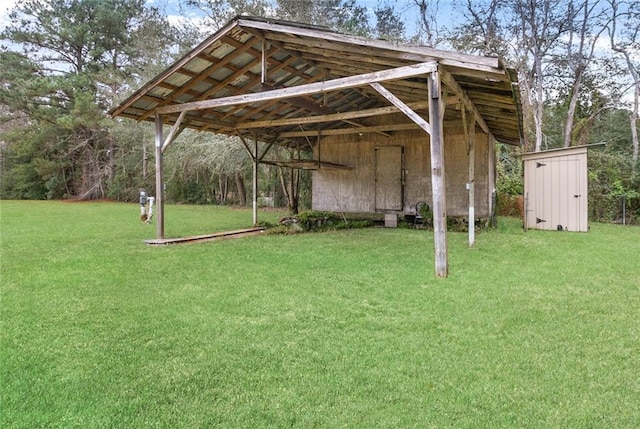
(555, 187)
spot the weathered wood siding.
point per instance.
(353, 191)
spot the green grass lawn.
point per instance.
(338, 329)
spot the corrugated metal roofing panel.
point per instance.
(310, 54)
(178, 79)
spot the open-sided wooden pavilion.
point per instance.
(383, 120)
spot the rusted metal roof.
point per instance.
(256, 55)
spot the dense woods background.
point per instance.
(65, 63)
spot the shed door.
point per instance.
(389, 160)
(559, 196)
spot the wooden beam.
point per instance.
(469, 127)
(451, 83)
(329, 118)
(438, 184)
(306, 103)
(256, 159)
(244, 71)
(355, 130)
(246, 146)
(402, 107)
(250, 151)
(256, 162)
(372, 129)
(395, 49)
(321, 74)
(292, 54)
(308, 164)
(361, 126)
(379, 51)
(312, 88)
(175, 131)
(263, 78)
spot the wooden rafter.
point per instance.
(199, 77)
(253, 80)
(451, 83)
(323, 73)
(328, 40)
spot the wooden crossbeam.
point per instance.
(308, 89)
(175, 131)
(402, 107)
(344, 131)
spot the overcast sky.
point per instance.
(7, 5)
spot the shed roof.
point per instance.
(561, 151)
(251, 56)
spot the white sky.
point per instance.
(403, 6)
(6, 6)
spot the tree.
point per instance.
(219, 12)
(626, 43)
(341, 15)
(76, 55)
(482, 32)
(537, 25)
(527, 33)
(352, 19)
(428, 32)
(204, 168)
(389, 24)
(589, 22)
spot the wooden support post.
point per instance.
(159, 180)
(438, 185)
(319, 150)
(471, 141)
(263, 74)
(469, 126)
(256, 162)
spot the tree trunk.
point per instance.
(539, 108)
(634, 124)
(571, 111)
(427, 19)
(634, 71)
(293, 200)
(242, 192)
(145, 159)
(283, 185)
(289, 188)
(587, 36)
(222, 187)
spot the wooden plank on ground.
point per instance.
(207, 237)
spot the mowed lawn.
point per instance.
(344, 329)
